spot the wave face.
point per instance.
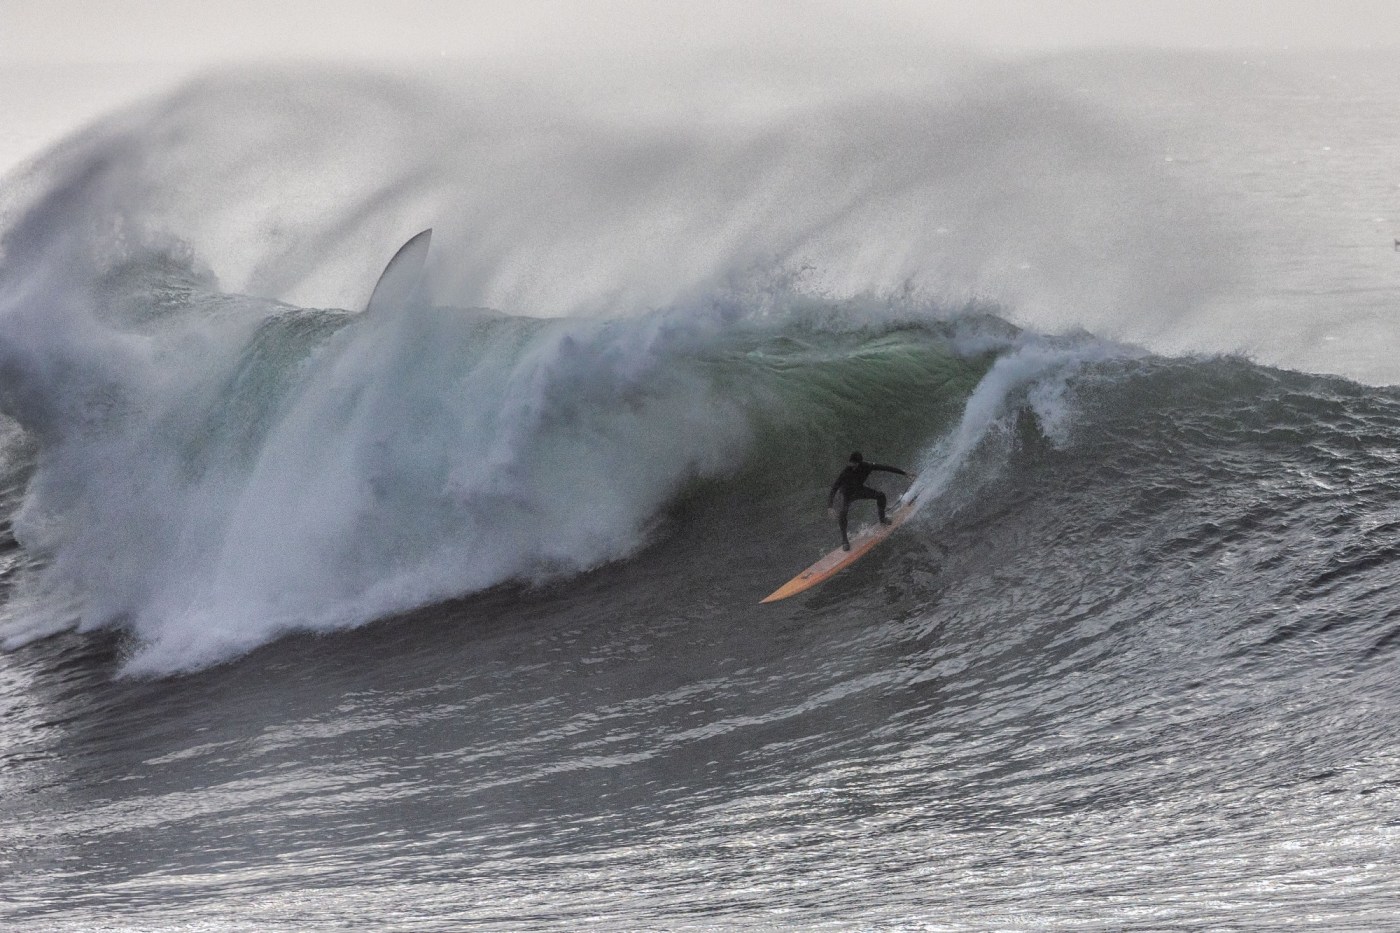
(220, 477)
(213, 483)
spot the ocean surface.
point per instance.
(444, 613)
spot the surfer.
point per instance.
(851, 485)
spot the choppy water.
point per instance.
(448, 617)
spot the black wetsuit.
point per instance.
(851, 485)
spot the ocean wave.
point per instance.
(223, 479)
(211, 483)
(205, 469)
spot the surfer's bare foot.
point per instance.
(886, 521)
(845, 545)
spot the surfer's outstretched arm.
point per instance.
(886, 469)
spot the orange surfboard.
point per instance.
(840, 559)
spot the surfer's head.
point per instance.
(856, 457)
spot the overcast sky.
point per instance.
(193, 32)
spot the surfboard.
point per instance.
(840, 559)
(399, 280)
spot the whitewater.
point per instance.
(441, 609)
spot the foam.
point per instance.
(1032, 373)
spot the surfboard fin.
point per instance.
(399, 281)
